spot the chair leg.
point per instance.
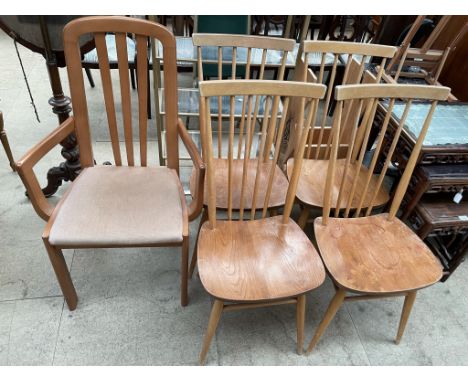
(62, 274)
(6, 144)
(300, 320)
(193, 262)
(184, 272)
(407, 306)
(302, 222)
(215, 315)
(132, 78)
(90, 77)
(331, 311)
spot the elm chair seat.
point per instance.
(311, 186)
(110, 206)
(257, 260)
(220, 168)
(374, 255)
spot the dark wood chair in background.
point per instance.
(372, 256)
(6, 144)
(251, 260)
(121, 205)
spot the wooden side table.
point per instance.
(443, 225)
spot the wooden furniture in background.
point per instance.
(121, 205)
(310, 190)
(372, 256)
(251, 260)
(6, 144)
(443, 225)
(425, 63)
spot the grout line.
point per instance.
(9, 335)
(30, 298)
(359, 336)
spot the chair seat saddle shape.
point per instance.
(257, 260)
(277, 198)
(374, 255)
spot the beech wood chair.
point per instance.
(123, 205)
(235, 56)
(254, 261)
(372, 256)
(310, 189)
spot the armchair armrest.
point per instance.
(28, 161)
(196, 205)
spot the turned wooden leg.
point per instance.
(300, 320)
(63, 275)
(193, 262)
(304, 217)
(184, 272)
(407, 306)
(215, 315)
(331, 311)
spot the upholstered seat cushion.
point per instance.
(110, 206)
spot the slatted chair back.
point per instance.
(142, 30)
(353, 185)
(241, 52)
(345, 63)
(266, 152)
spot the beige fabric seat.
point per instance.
(111, 206)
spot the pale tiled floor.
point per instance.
(129, 311)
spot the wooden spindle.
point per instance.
(142, 73)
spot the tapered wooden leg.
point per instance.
(331, 311)
(407, 306)
(193, 262)
(304, 217)
(215, 315)
(300, 320)
(63, 275)
(90, 77)
(184, 272)
(6, 144)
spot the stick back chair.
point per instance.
(248, 259)
(373, 256)
(229, 53)
(126, 205)
(349, 67)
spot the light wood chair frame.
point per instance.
(221, 41)
(354, 73)
(311, 92)
(372, 93)
(79, 124)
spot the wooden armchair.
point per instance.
(351, 58)
(372, 256)
(121, 205)
(251, 260)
